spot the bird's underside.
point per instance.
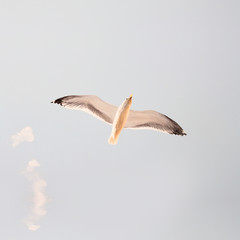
(106, 112)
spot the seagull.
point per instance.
(120, 117)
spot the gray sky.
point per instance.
(180, 58)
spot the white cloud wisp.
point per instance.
(25, 135)
(39, 198)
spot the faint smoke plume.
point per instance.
(25, 134)
(39, 198)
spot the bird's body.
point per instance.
(120, 120)
(121, 117)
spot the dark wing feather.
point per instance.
(153, 120)
(90, 104)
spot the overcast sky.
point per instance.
(59, 177)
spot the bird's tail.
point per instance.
(112, 140)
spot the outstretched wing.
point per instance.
(153, 120)
(90, 104)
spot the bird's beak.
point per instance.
(130, 96)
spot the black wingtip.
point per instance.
(179, 133)
(58, 101)
(177, 130)
(183, 134)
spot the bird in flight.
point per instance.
(121, 117)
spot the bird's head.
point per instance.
(129, 99)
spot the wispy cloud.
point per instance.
(25, 134)
(39, 198)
